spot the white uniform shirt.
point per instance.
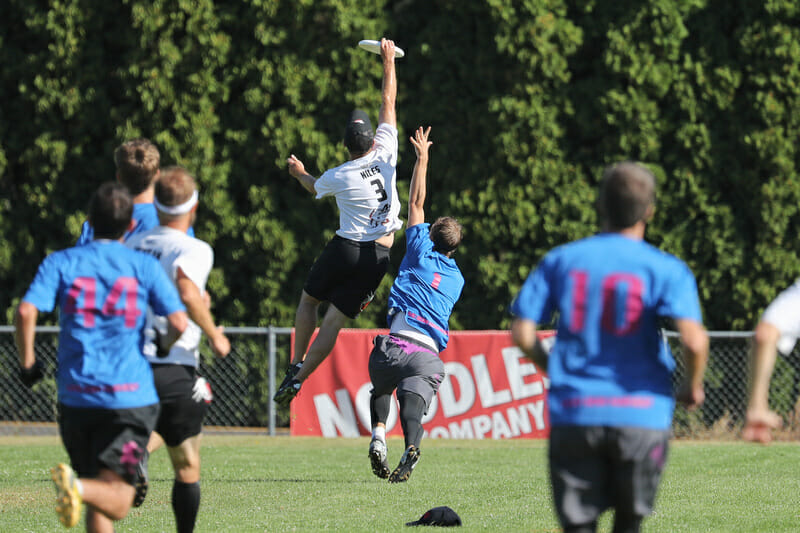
(174, 249)
(366, 190)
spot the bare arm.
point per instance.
(201, 315)
(25, 322)
(760, 420)
(298, 171)
(523, 333)
(417, 189)
(389, 87)
(695, 353)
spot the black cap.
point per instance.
(438, 516)
(358, 134)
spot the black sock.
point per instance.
(412, 409)
(185, 504)
(627, 523)
(379, 408)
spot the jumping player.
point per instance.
(610, 396)
(420, 303)
(107, 403)
(187, 261)
(353, 263)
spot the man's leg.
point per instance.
(412, 409)
(108, 497)
(186, 489)
(333, 321)
(305, 322)
(379, 406)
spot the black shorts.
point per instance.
(181, 416)
(113, 439)
(399, 363)
(347, 274)
(594, 468)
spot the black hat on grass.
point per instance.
(358, 134)
(438, 516)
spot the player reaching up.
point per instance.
(353, 263)
(421, 300)
(184, 399)
(107, 401)
(610, 399)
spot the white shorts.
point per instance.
(784, 314)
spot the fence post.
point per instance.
(271, 372)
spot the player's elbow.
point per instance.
(179, 321)
(26, 312)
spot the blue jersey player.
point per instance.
(420, 302)
(107, 400)
(610, 397)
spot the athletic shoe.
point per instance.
(291, 372)
(141, 485)
(407, 463)
(287, 392)
(377, 456)
(68, 499)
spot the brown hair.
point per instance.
(627, 192)
(137, 164)
(110, 211)
(175, 186)
(446, 234)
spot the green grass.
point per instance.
(313, 484)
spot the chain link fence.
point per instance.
(245, 381)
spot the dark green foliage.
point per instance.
(528, 102)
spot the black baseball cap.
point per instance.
(358, 134)
(438, 516)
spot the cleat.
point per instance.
(141, 485)
(377, 456)
(287, 392)
(291, 372)
(68, 498)
(407, 463)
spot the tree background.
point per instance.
(528, 101)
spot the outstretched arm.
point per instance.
(298, 171)
(417, 189)
(389, 88)
(201, 314)
(760, 420)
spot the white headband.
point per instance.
(179, 209)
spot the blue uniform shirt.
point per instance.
(144, 215)
(103, 290)
(427, 286)
(610, 365)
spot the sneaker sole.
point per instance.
(68, 505)
(403, 470)
(379, 466)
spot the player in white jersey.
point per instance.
(353, 263)
(183, 396)
(777, 331)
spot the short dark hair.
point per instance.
(627, 191)
(137, 162)
(446, 233)
(110, 211)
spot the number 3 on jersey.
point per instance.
(88, 308)
(621, 302)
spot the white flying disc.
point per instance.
(375, 47)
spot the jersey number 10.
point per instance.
(617, 288)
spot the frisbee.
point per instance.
(375, 47)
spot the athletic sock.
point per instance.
(379, 408)
(185, 504)
(412, 409)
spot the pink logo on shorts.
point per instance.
(131, 454)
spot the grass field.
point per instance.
(313, 484)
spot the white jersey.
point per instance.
(366, 190)
(784, 314)
(175, 249)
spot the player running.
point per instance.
(184, 399)
(353, 263)
(421, 300)
(107, 403)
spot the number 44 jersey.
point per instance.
(103, 291)
(366, 190)
(610, 365)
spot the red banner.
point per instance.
(489, 392)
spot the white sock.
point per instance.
(379, 432)
(79, 486)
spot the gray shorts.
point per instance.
(401, 364)
(594, 468)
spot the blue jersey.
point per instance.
(103, 290)
(427, 286)
(610, 365)
(145, 217)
